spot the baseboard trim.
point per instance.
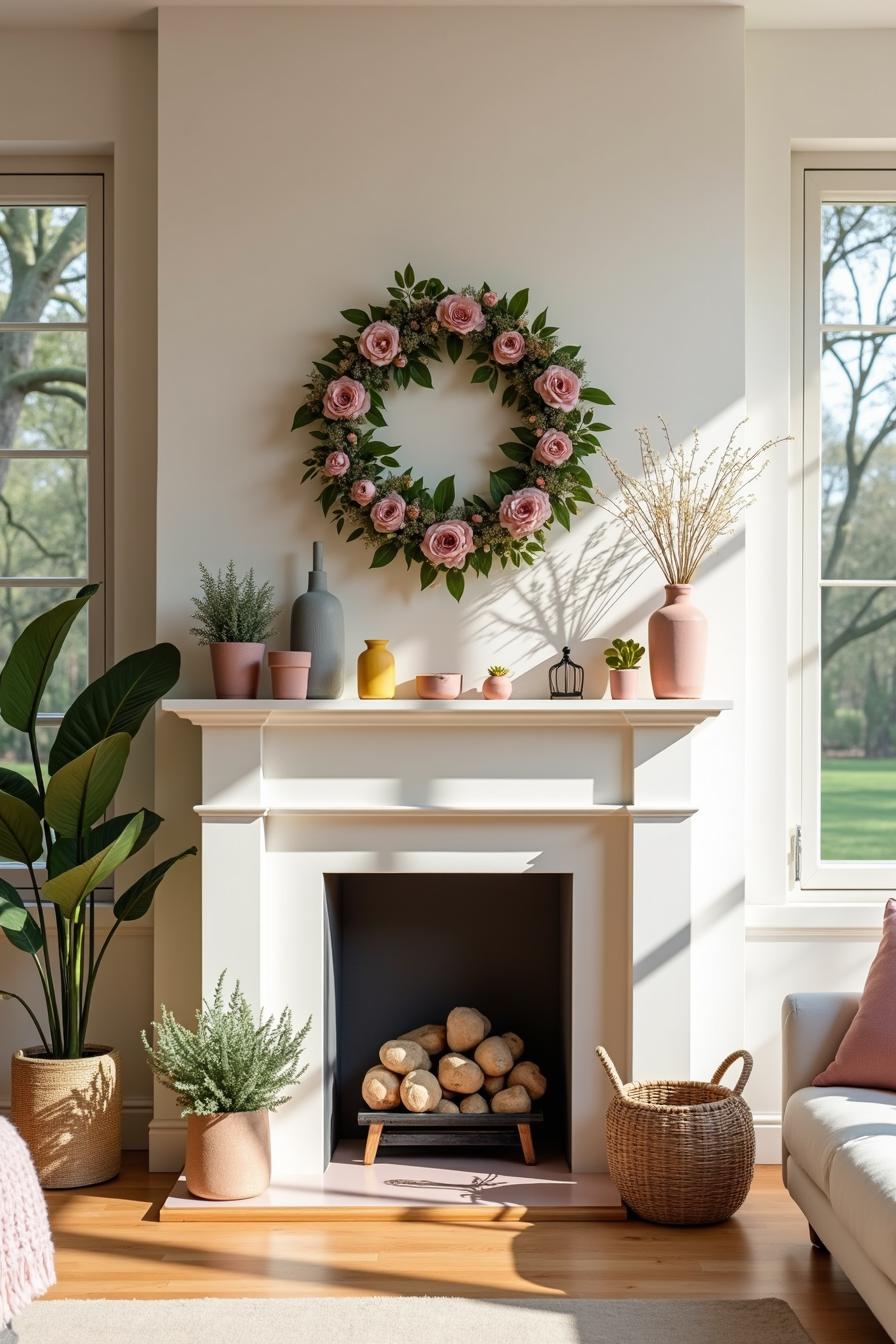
(167, 1144)
(767, 1125)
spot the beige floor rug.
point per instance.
(402, 1320)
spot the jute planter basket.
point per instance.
(681, 1152)
(68, 1111)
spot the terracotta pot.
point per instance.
(497, 688)
(68, 1111)
(440, 686)
(236, 669)
(376, 671)
(228, 1156)
(624, 682)
(676, 638)
(289, 673)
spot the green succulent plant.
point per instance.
(230, 1063)
(232, 610)
(60, 820)
(624, 653)
(499, 671)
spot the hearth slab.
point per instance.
(429, 1188)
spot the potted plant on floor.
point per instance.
(235, 617)
(66, 1092)
(228, 1075)
(624, 661)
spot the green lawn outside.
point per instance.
(858, 810)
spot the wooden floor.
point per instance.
(110, 1244)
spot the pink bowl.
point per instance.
(440, 686)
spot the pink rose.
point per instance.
(558, 387)
(379, 342)
(346, 399)
(554, 448)
(337, 463)
(476, 518)
(448, 543)
(460, 313)
(489, 298)
(387, 514)
(524, 511)
(508, 348)
(362, 492)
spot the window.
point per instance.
(848, 692)
(51, 422)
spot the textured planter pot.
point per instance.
(497, 688)
(68, 1111)
(318, 624)
(376, 671)
(676, 639)
(624, 682)
(289, 673)
(236, 669)
(440, 686)
(228, 1156)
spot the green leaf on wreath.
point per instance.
(505, 481)
(540, 321)
(385, 555)
(356, 316)
(561, 512)
(596, 395)
(376, 417)
(455, 584)
(517, 305)
(420, 373)
(516, 452)
(455, 346)
(443, 495)
(428, 574)
(409, 275)
(303, 416)
(525, 436)
(482, 374)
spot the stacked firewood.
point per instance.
(458, 1067)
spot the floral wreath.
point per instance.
(365, 486)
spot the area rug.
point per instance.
(385, 1320)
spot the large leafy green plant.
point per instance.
(61, 817)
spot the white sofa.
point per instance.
(839, 1152)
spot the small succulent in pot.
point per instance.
(235, 616)
(624, 660)
(497, 685)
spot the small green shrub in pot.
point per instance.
(228, 1075)
(623, 658)
(234, 617)
(66, 1091)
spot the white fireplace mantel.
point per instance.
(598, 790)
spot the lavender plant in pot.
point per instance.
(228, 1075)
(623, 658)
(234, 618)
(66, 1090)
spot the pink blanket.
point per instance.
(26, 1247)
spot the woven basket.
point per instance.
(681, 1152)
(68, 1111)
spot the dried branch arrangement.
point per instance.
(685, 500)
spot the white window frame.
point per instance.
(818, 179)
(45, 182)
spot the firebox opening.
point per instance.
(404, 949)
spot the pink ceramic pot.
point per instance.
(624, 682)
(236, 669)
(289, 673)
(228, 1156)
(676, 638)
(440, 686)
(497, 688)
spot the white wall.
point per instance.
(594, 155)
(806, 90)
(97, 95)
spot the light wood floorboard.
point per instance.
(110, 1244)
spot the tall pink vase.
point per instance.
(676, 638)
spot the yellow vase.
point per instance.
(376, 671)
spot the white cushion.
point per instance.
(820, 1121)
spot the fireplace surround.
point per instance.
(307, 805)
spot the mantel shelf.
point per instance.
(444, 714)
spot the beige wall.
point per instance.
(76, 93)
(595, 155)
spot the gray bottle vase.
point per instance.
(318, 625)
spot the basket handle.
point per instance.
(612, 1072)
(744, 1073)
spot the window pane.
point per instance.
(18, 606)
(858, 250)
(43, 518)
(45, 408)
(858, 725)
(43, 263)
(16, 755)
(858, 458)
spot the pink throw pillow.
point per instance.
(867, 1053)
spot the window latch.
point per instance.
(798, 854)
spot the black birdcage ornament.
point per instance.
(566, 679)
